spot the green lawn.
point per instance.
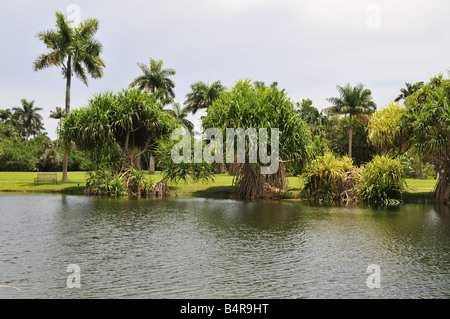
(24, 182)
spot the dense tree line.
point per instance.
(347, 148)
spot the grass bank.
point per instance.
(221, 186)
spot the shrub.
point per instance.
(103, 182)
(327, 177)
(382, 181)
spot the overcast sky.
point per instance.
(308, 47)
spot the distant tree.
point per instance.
(409, 90)
(155, 78)
(352, 101)
(309, 113)
(27, 119)
(263, 84)
(203, 95)
(5, 116)
(76, 51)
(180, 115)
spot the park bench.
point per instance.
(46, 177)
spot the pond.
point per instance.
(219, 248)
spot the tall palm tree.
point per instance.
(155, 79)
(203, 95)
(353, 101)
(409, 90)
(75, 50)
(27, 119)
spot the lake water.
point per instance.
(219, 248)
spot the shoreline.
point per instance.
(221, 187)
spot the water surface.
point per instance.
(219, 248)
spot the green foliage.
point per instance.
(335, 133)
(103, 182)
(15, 156)
(155, 80)
(182, 171)
(326, 176)
(8, 130)
(123, 125)
(385, 132)
(409, 90)
(382, 181)
(73, 48)
(427, 120)
(37, 154)
(203, 95)
(249, 106)
(27, 119)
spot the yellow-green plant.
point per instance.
(385, 132)
(382, 181)
(326, 176)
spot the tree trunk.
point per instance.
(442, 192)
(350, 141)
(151, 164)
(422, 177)
(66, 155)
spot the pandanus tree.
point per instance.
(427, 120)
(203, 95)
(352, 101)
(75, 50)
(247, 106)
(128, 124)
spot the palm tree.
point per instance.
(353, 101)
(202, 95)
(409, 90)
(5, 116)
(27, 119)
(75, 50)
(58, 114)
(263, 84)
(155, 78)
(180, 115)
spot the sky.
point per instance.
(308, 47)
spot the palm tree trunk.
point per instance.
(66, 155)
(350, 141)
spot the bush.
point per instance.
(327, 177)
(15, 156)
(103, 182)
(382, 181)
